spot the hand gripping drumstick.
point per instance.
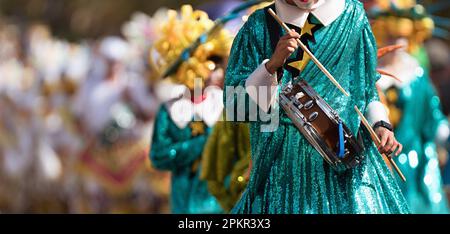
(377, 141)
(314, 59)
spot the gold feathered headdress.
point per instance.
(401, 18)
(179, 32)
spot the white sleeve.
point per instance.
(264, 85)
(376, 112)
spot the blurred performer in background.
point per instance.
(414, 107)
(439, 54)
(21, 126)
(186, 117)
(114, 107)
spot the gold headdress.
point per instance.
(401, 18)
(179, 32)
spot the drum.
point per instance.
(321, 126)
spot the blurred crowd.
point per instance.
(76, 123)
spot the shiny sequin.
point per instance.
(288, 175)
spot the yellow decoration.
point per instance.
(395, 114)
(178, 33)
(405, 3)
(392, 96)
(388, 28)
(195, 166)
(307, 29)
(198, 128)
(301, 64)
(386, 4)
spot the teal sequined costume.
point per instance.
(421, 116)
(288, 175)
(178, 151)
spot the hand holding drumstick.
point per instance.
(378, 142)
(307, 51)
(285, 47)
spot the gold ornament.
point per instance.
(415, 29)
(386, 4)
(178, 33)
(198, 128)
(395, 113)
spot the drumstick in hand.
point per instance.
(377, 141)
(313, 58)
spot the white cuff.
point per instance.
(264, 85)
(376, 112)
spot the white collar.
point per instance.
(183, 111)
(326, 11)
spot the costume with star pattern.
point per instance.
(300, 60)
(288, 175)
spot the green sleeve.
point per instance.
(370, 60)
(245, 57)
(166, 152)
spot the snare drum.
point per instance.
(321, 126)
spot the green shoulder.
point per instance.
(254, 22)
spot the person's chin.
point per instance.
(304, 5)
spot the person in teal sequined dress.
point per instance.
(288, 175)
(419, 124)
(414, 107)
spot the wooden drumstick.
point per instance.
(314, 59)
(377, 141)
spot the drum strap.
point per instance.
(341, 151)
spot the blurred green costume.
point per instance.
(416, 114)
(179, 151)
(226, 161)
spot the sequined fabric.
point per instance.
(178, 151)
(288, 175)
(416, 131)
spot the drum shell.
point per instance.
(319, 123)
